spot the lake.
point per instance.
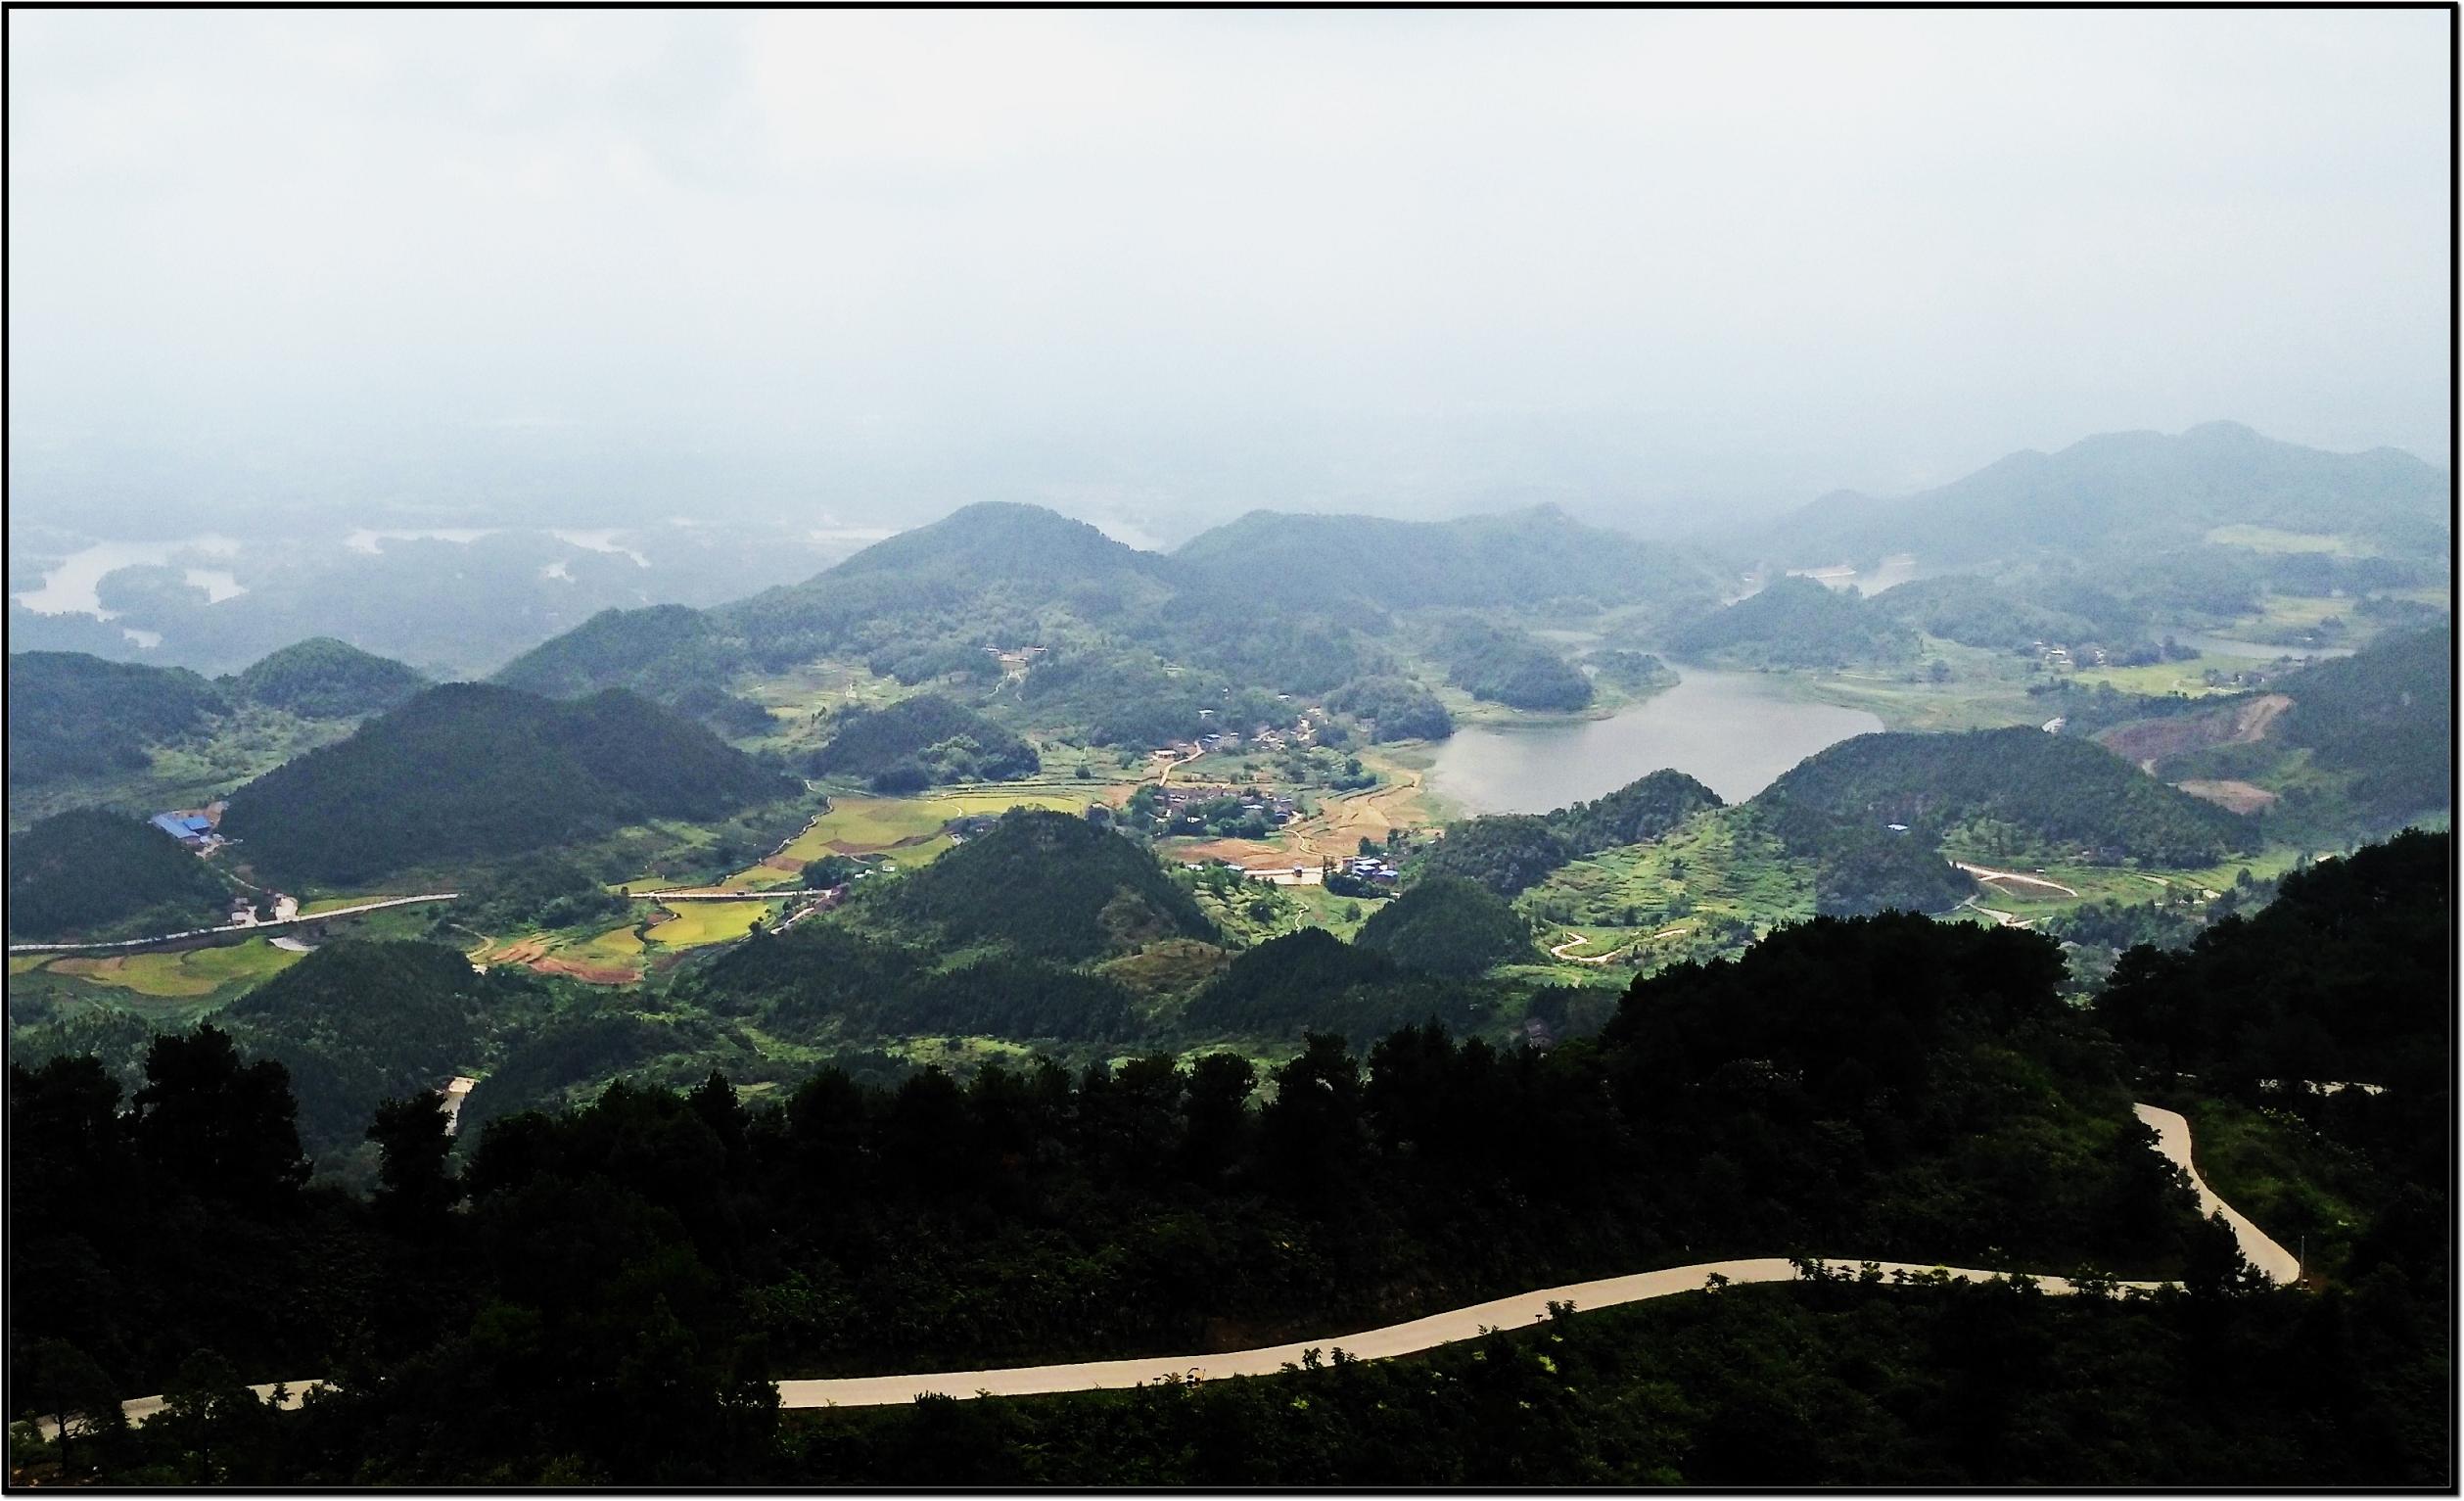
(2258, 651)
(1735, 731)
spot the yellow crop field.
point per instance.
(196, 973)
(701, 923)
(868, 825)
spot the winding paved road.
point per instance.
(2172, 1140)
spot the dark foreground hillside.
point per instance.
(625, 1279)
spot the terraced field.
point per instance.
(1715, 864)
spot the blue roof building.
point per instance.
(188, 828)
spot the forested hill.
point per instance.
(322, 677)
(73, 715)
(1507, 851)
(1845, 1085)
(2344, 976)
(475, 770)
(660, 646)
(1795, 622)
(2120, 493)
(918, 741)
(2065, 793)
(1289, 604)
(2385, 716)
(1523, 558)
(1004, 540)
(1049, 886)
(92, 874)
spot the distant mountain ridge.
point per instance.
(1288, 603)
(1517, 557)
(2134, 489)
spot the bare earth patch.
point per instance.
(2233, 796)
(2148, 741)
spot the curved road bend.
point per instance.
(2172, 1140)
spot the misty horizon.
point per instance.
(1159, 270)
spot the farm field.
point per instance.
(909, 829)
(195, 975)
(691, 924)
(2157, 678)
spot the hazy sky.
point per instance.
(1755, 255)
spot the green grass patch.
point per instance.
(2157, 678)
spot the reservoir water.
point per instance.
(1735, 731)
(2259, 652)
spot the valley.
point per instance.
(1002, 822)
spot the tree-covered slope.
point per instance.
(1448, 925)
(1047, 885)
(2385, 715)
(2063, 791)
(917, 741)
(1509, 667)
(1795, 622)
(1001, 540)
(360, 1022)
(325, 679)
(90, 873)
(1641, 810)
(1520, 558)
(1977, 611)
(1507, 851)
(820, 983)
(2139, 491)
(73, 715)
(2345, 976)
(660, 648)
(471, 771)
(1396, 708)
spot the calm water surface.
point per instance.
(1735, 731)
(2259, 652)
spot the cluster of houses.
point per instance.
(1264, 737)
(1275, 807)
(1369, 867)
(1013, 662)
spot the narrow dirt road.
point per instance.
(2173, 1141)
(1575, 940)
